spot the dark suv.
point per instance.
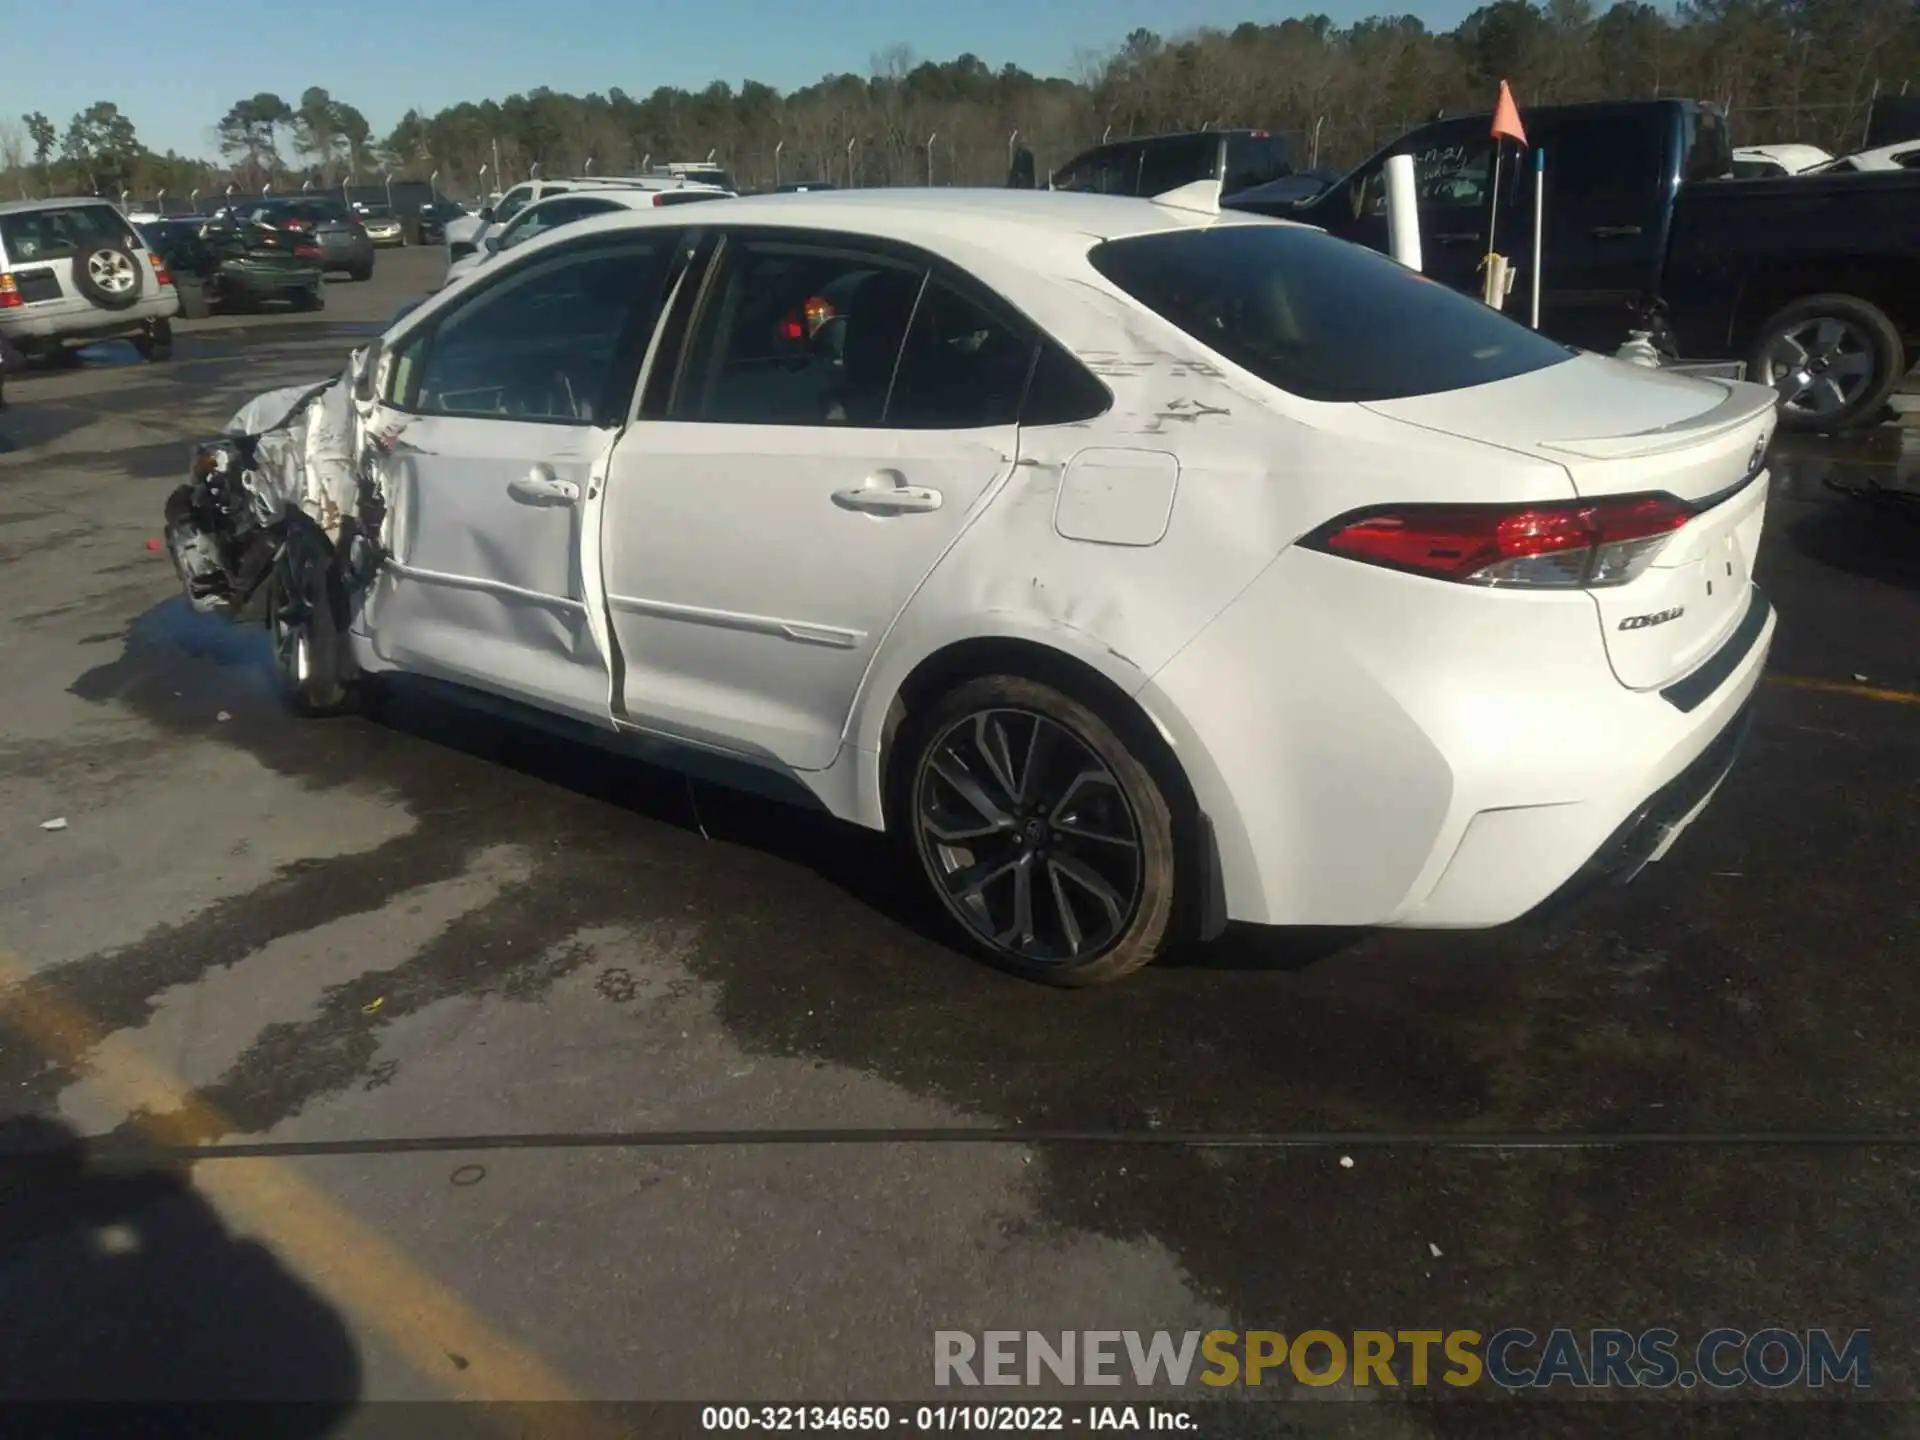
(342, 239)
(1154, 164)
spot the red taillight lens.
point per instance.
(306, 252)
(1603, 542)
(10, 293)
(160, 273)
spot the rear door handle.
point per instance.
(887, 493)
(540, 486)
(1615, 232)
(1471, 238)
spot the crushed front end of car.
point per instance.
(278, 523)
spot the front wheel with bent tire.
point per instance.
(1834, 359)
(1043, 831)
(307, 644)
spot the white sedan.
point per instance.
(1140, 567)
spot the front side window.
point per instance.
(796, 334)
(546, 342)
(555, 213)
(1319, 317)
(1452, 171)
(515, 200)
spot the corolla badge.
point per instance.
(1658, 617)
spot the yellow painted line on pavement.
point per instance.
(351, 1265)
(1844, 687)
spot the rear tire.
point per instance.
(1044, 833)
(362, 272)
(1834, 359)
(156, 346)
(314, 299)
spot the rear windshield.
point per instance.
(54, 234)
(1319, 317)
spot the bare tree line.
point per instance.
(1802, 70)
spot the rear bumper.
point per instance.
(1379, 749)
(347, 257)
(1647, 834)
(78, 320)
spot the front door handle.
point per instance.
(1615, 232)
(887, 493)
(1468, 238)
(540, 486)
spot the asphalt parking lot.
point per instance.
(358, 944)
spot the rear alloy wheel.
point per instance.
(1041, 831)
(363, 272)
(1834, 360)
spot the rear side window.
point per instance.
(1178, 160)
(1605, 161)
(1256, 159)
(964, 364)
(1318, 317)
(58, 232)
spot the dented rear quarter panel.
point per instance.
(1258, 468)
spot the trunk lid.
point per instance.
(1619, 429)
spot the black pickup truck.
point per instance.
(1812, 280)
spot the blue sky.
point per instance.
(176, 71)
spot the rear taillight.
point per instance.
(10, 293)
(296, 225)
(306, 252)
(1559, 546)
(160, 273)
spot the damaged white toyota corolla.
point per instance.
(1142, 568)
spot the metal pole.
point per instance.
(930, 139)
(1106, 134)
(389, 192)
(160, 203)
(588, 169)
(778, 146)
(1866, 133)
(496, 159)
(1012, 140)
(433, 185)
(851, 142)
(1539, 229)
(1314, 162)
(306, 185)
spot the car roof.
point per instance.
(1022, 222)
(54, 202)
(631, 199)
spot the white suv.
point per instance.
(553, 211)
(467, 235)
(74, 271)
